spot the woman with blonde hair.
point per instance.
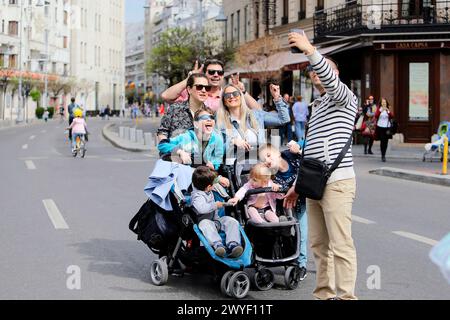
(244, 128)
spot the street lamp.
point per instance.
(43, 3)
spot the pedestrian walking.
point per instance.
(301, 113)
(383, 118)
(330, 219)
(369, 125)
(46, 113)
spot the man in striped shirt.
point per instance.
(330, 219)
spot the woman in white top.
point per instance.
(383, 118)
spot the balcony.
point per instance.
(356, 18)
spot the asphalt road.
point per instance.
(396, 224)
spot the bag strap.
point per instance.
(341, 155)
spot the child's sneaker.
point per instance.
(219, 249)
(283, 218)
(235, 249)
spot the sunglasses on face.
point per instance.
(213, 72)
(200, 87)
(230, 95)
(205, 117)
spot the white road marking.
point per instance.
(43, 131)
(25, 146)
(362, 220)
(416, 237)
(33, 158)
(30, 165)
(32, 137)
(54, 214)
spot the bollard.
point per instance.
(140, 136)
(133, 134)
(275, 141)
(445, 156)
(126, 134)
(148, 138)
(121, 132)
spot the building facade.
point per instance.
(196, 15)
(134, 59)
(399, 50)
(34, 49)
(98, 53)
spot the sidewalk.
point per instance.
(6, 124)
(111, 133)
(413, 151)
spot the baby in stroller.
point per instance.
(209, 221)
(262, 206)
(436, 147)
(275, 244)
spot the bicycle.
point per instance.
(80, 146)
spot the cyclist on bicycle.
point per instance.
(79, 127)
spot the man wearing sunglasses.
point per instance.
(214, 71)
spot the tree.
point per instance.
(176, 53)
(254, 59)
(5, 77)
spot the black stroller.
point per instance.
(274, 244)
(176, 239)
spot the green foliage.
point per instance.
(177, 52)
(39, 112)
(51, 112)
(35, 96)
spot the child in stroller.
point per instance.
(173, 234)
(210, 222)
(275, 244)
(437, 145)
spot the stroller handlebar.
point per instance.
(263, 190)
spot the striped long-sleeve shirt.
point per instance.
(332, 120)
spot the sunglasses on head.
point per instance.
(230, 95)
(200, 87)
(213, 72)
(205, 117)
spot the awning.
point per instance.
(277, 61)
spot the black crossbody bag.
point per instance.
(313, 174)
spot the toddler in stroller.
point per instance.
(173, 234)
(275, 244)
(436, 147)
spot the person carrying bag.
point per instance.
(313, 174)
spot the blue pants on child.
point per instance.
(302, 218)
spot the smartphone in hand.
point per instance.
(295, 49)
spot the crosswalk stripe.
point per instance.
(416, 237)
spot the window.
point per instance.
(245, 22)
(238, 26)
(232, 27)
(12, 1)
(53, 67)
(13, 28)
(285, 17)
(302, 12)
(3, 26)
(66, 69)
(66, 18)
(65, 42)
(12, 61)
(2, 60)
(320, 5)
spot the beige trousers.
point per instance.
(330, 238)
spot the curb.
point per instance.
(397, 157)
(417, 176)
(114, 139)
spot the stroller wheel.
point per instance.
(239, 285)
(263, 279)
(225, 283)
(159, 272)
(292, 277)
